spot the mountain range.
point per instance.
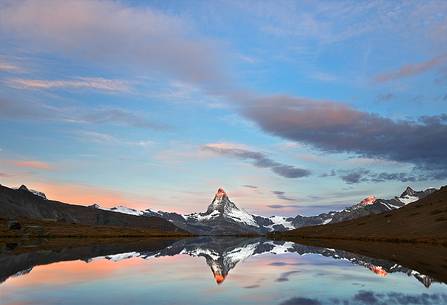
(223, 217)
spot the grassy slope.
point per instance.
(421, 221)
(40, 228)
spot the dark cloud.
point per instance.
(301, 301)
(282, 195)
(258, 159)
(402, 177)
(366, 297)
(250, 186)
(337, 128)
(356, 176)
(281, 264)
(18, 109)
(284, 277)
(370, 297)
(281, 206)
(252, 286)
(363, 175)
(424, 298)
(290, 171)
(332, 173)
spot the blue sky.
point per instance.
(291, 106)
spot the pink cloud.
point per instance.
(9, 67)
(105, 32)
(411, 69)
(97, 83)
(33, 164)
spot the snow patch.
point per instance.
(121, 256)
(279, 220)
(120, 209)
(327, 221)
(408, 199)
(240, 254)
(241, 216)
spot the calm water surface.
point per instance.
(210, 271)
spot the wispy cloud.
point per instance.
(104, 138)
(250, 186)
(258, 159)
(283, 196)
(33, 164)
(95, 83)
(282, 206)
(9, 67)
(116, 116)
(18, 109)
(110, 32)
(412, 69)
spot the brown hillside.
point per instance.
(22, 204)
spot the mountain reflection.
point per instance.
(221, 254)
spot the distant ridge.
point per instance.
(424, 220)
(222, 216)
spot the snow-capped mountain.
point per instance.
(37, 193)
(223, 217)
(119, 209)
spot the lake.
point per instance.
(206, 270)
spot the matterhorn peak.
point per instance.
(220, 195)
(220, 200)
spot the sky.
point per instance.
(293, 107)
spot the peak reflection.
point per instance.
(221, 254)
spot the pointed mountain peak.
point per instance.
(23, 188)
(408, 192)
(34, 192)
(220, 194)
(219, 278)
(221, 203)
